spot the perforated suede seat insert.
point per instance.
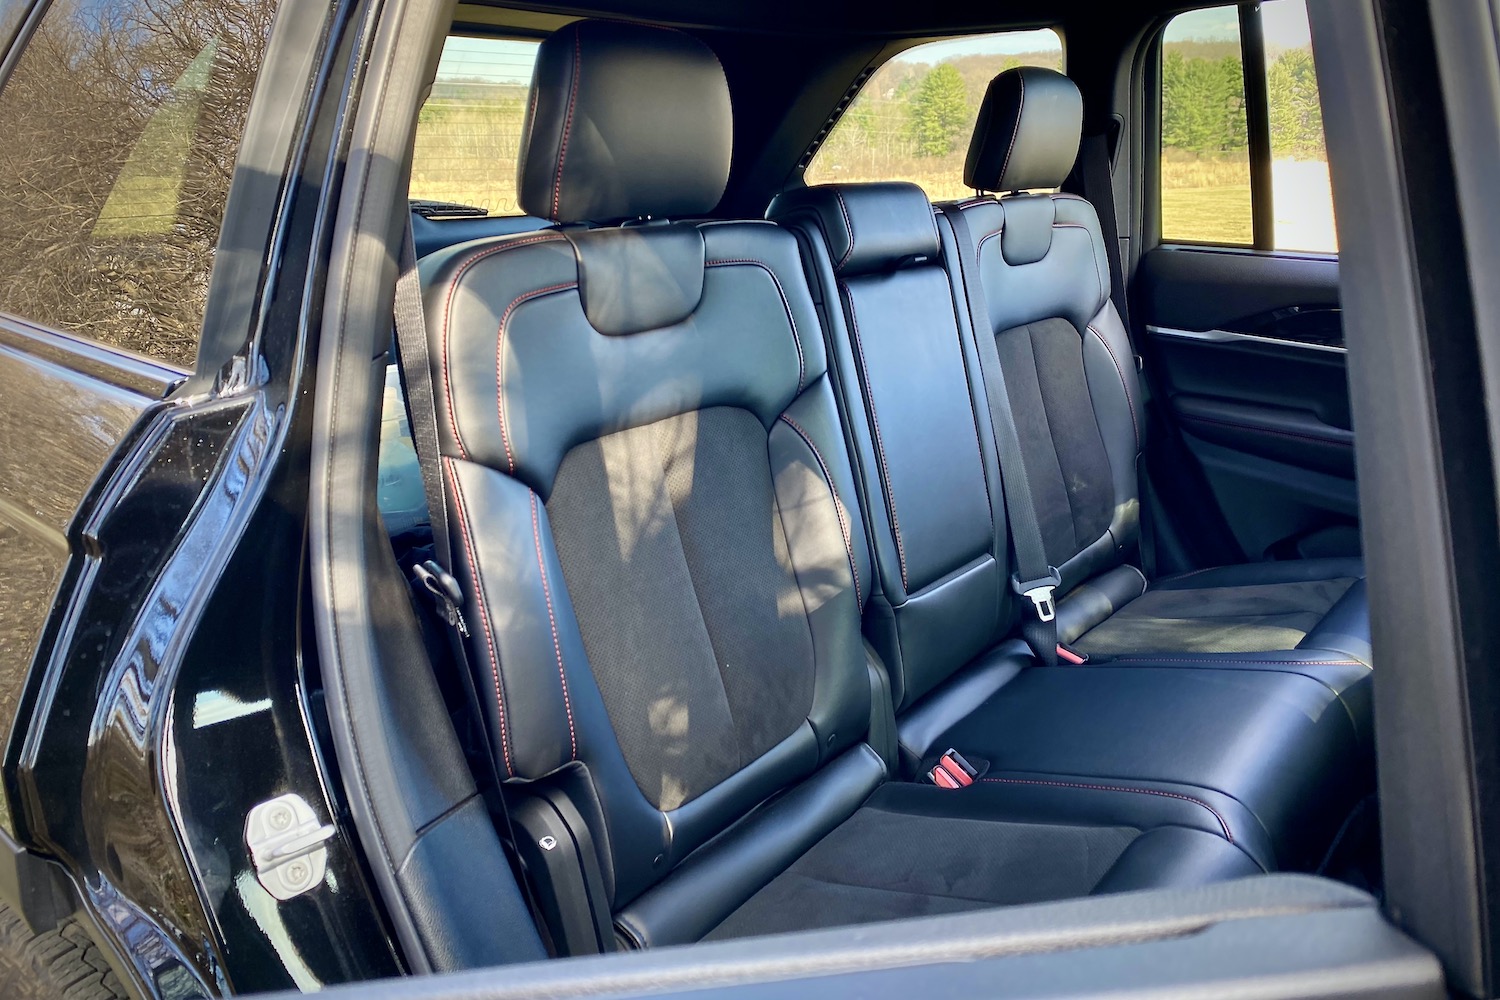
(676, 559)
(1247, 619)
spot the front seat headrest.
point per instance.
(1027, 133)
(625, 121)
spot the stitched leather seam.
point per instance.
(885, 472)
(484, 615)
(562, 149)
(1194, 418)
(849, 225)
(536, 535)
(838, 505)
(510, 459)
(1205, 659)
(1129, 400)
(796, 336)
(1121, 788)
(1016, 131)
(1184, 576)
(447, 316)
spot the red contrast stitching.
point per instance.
(510, 459)
(484, 615)
(838, 505)
(562, 149)
(1121, 788)
(1194, 418)
(985, 239)
(849, 225)
(1258, 663)
(1020, 111)
(1129, 400)
(885, 472)
(536, 534)
(447, 317)
(796, 337)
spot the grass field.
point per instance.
(468, 156)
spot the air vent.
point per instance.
(834, 116)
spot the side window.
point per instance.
(1205, 141)
(469, 131)
(123, 119)
(1242, 157)
(912, 119)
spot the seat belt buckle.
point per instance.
(1040, 592)
(952, 771)
(445, 587)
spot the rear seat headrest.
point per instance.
(625, 121)
(1027, 133)
(869, 227)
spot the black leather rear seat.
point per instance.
(666, 566)
(1067, 359)
(1275, 749)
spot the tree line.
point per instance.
(926, 111)
(1203, 105)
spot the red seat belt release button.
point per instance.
(952, 771)
(1068, 656)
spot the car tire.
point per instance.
(60, 964)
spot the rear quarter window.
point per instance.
(913, 119)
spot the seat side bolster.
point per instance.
(1114, 388)
(717, 879)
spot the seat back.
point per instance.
(645, 469)
(1064, 354)
(920, 431)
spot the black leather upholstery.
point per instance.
(1027, 133)
(1276, 756)
(894, 224)
(680, 482)
(625, 121)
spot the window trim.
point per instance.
(1257, 126)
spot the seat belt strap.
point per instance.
(1034, 579)
(1099, 190)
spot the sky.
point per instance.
(1285, 22)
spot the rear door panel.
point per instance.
(66, 406)
(1247, 349)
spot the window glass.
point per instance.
(469, 132)
(1205, 146)
(1301, 191)
(913, 119)
(122, 120)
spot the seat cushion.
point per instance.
(916, 850)
(1255, 608)
(1273, 759)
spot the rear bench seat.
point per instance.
(1069, 370)
(912, 380)
(666, 565)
